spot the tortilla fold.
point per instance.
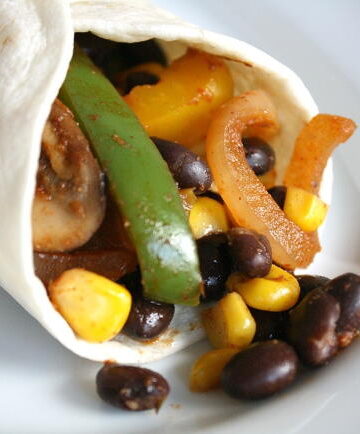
(36, 45)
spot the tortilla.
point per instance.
(36, 44)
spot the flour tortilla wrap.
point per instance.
(36, 44)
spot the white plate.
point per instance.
(46, 389)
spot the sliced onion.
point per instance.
(313, 147)
(247, 199)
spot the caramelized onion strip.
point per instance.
(245, 196)
(314, 146)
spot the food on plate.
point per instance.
(214, 265)
(305, 209)
(152, 209)
(261, 370)
(206, 371)
(269, 325)
(247, 199)
(147, 319)
(168, 173)
(277, 291)
(278, 193)
(69, 202)
(207, 216)
(315, 144)
(131, 388)
(250, 252)
(187, 168)
(312, 327)
(259, 155)
(229, 322)
(309, 282)
(182, 112)
(95, 307)
(346, 290)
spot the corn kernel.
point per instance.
(304, 208)
(229, 323)
(95, 307)
(207, 216)
(188, 198)
(276, 292)
(206, 372)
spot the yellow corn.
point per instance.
(95, 307)
(207, 216)
(229, 323)
(277, 291)
(304, 208)
(206, 372)
(188, 198)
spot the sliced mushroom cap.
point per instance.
(69, 202)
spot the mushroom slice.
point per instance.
(69, 202)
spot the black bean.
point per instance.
(139, 78)
(312, 327)
(278, 193)
(308, 282)
(213, 195)
(138, 53)
(250, 252)
(147, 318)
(259, 155)
(132, 281)
(260, 371)
(113, 57)
(100, 50)
(187, 168)
(269, 325)
(214, 265)
(346, 290)
(131, 388)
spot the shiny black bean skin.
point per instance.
(346, 290)
(250, 252)
(187, 168)
(260, 371)
(269, 325)
(278, 193)
(132, 281)
(259, 155)
(139, 78)
(309, 282)
(312, 327)
(131, 388)
(214, 265)
(213, 195)
(148, 319)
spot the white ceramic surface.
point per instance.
(47, 389)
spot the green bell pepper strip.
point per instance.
(140, 183)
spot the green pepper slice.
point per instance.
(140, 183)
